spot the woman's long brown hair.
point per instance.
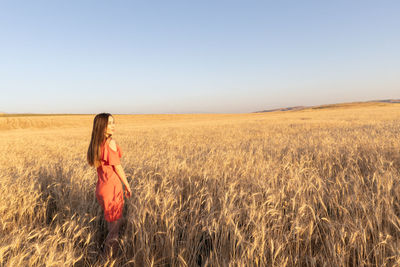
(98, 137)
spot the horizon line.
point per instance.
(390, 101)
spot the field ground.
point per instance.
(299, 188)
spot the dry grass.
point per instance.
(305, 188)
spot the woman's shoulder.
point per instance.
(112, 144)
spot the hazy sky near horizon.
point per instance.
(195, 56)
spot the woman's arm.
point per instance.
(121, 173)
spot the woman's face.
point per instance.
(110, 126)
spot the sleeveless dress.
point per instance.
(109, 191)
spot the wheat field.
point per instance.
(317, 187)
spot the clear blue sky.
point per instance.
(195, 56)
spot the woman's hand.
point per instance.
(121, 174)
(128, 192)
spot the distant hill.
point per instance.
(283, 109)
(390, 101)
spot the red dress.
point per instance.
(109, 191)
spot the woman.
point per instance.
(105, 154)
